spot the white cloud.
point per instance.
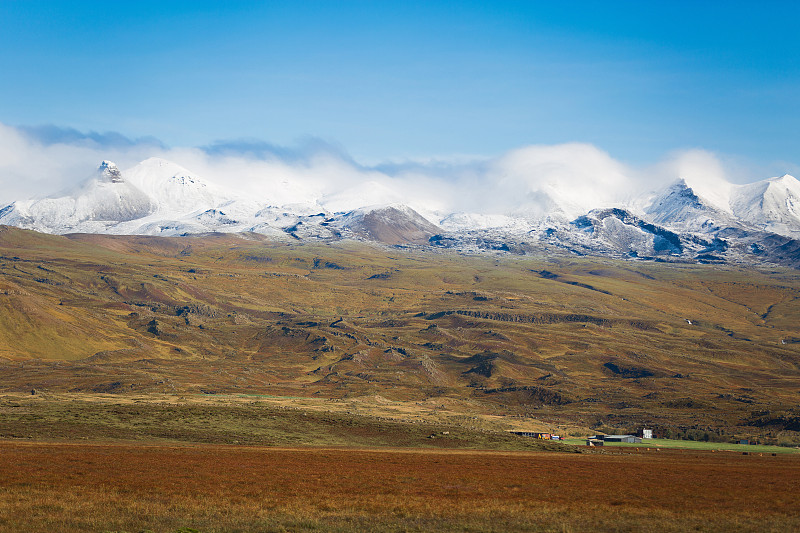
(526, 181)
(32, 168)
(574, 177)
(703, 171)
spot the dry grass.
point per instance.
(240, 421)
(70, 488)
(483, 336)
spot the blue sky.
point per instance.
(414, 80)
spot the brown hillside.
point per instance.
(565, 340)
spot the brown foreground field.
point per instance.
(71, 487)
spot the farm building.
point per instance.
(619, 438)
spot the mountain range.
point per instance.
(756, 223)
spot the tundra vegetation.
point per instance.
(231, 383)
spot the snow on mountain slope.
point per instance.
(772, 205)
(156, 197)
(476, 221)
(715, 191)
(100, 201)
(624, 232)
(683, 207)
(175, 190)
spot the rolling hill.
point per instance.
(560, 339)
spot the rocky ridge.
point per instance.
(757, 223)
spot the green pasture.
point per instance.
(695, 445)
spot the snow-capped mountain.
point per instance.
(772, 205)
(185, 203)
(154, 197)
(683, 207)
(100, 201)
(626, 233)
(175, 191)
(687, 221)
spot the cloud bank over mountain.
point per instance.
(572, 178)
(570, 197)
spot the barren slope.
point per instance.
(586, 341)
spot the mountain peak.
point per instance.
(391, 224)
(682, 192)
(786, 180)
(109, 172)
(693, 205)
(714, 191)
